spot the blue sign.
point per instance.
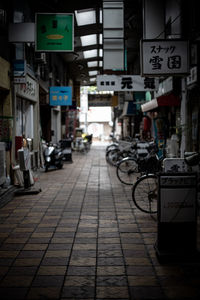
(19, 67)
(60, 95)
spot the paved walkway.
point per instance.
(82, 238)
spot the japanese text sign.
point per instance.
(126, 83)
(60, 95)
(54, 32)
(160, 57)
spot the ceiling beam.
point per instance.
(88, 29)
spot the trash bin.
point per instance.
(177, 215)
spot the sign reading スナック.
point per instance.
(60, 95)
(126, 83)
(54, 32)
(162, 57)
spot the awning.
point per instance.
(149, 105)
(164, 100)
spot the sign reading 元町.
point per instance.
(126, 83)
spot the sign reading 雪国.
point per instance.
(60, 95)
(126, 83)
(164, 57)
(54, 32)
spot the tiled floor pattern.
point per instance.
(82, 238)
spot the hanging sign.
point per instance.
(126, 83)
(163, 57)
(60, 95)
(54, 32)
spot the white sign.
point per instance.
(192, 78)
(29, 89)
(162, 57)
(19, 79)
(126, 83)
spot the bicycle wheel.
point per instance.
(127, 171)
(144, 193)
(112, 156)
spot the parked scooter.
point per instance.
(53, 157)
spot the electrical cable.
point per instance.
(170, 24)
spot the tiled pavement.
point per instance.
(82, 238)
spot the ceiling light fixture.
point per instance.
(88, 40)
(85, 17)
(90, 53)
(92, 64)
(93, 73)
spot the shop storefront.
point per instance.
(6, 121)
(164, 113)
(27, 114)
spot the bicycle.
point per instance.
(145, 189)
(116, 153)
(142, 161)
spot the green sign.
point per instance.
(54, 32)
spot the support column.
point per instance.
(183, 115)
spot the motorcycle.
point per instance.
(53, 157)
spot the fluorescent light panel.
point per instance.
(87, 40)
(100, 16)
(101, 38)
(92, 64)
(92, 73)
(85, 17)
(90, 53)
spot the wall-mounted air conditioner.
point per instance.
(2, 163)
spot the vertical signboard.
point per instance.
(54, 32)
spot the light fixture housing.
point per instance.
(85, 17)
(87, 40)
(90, 53)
